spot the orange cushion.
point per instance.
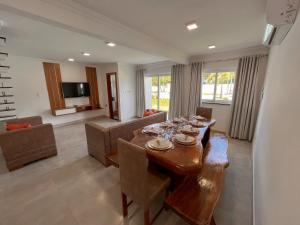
(147, 113)
(16, 126)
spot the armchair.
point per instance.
(23, 146)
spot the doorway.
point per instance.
(112, 93)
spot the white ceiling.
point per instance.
(146, 31)
(28, 37)
(229, 24)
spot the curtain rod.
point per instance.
(228, 59)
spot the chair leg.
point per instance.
(146, 216)
(124, 205)
(212, 222)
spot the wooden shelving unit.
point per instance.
(7, 110)
(7, 116)
(6, 96)
(6, 106)
(7, 103)
(3, 77)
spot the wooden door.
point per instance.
(53, 81)
(91, 76)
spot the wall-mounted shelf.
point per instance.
(7, 110)
(4, 96)
(6, 87)
(4, 77)
(2, 41)
(7, 116)
(3, 55)
(7, 103)
(4, 69)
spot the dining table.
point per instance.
(181, 159)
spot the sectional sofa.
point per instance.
(24, 146)
(103, 141)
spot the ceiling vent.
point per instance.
(281, 15)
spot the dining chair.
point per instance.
(204, 111)
(138, 183)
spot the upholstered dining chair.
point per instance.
(138, 183)
(204, 111)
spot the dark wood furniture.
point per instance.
(57, 101)
(82, 108)
(53, 81)
(196, 198)
(183, 160)
(91, 76)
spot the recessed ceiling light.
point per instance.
(211, 46)
(71, 60)
(110, 44)
(86, 54)
(192, 26)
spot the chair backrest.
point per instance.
(133, 165)
(204, 111)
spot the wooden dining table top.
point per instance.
(182, 159)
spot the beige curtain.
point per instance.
(195, 87)
(140, 91)
(176, 101)
(247, 96)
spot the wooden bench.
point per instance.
(113, 159)
(196, 198)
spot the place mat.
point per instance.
(201, 118)
(179, 120)
(159, 144)
(185, 139)
(196, 123)
(152, 130)
(167, 124)
(188, 129)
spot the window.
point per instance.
(217, 87)
(157, 92)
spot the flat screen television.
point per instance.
(74, 90)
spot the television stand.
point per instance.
(74, 109)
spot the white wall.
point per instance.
(31, 95)
(276, 146)
(127, 90)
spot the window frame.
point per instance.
(158, 75)
(214, 101)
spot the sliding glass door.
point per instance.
(157, 90)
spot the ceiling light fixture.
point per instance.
(110, 44)
(71, 60)
(191, 26)
(211, 46)
(86, 54)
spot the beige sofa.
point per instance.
(23, 146)
(103, 141)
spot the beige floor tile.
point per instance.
(75, 189)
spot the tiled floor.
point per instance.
(75, 189)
